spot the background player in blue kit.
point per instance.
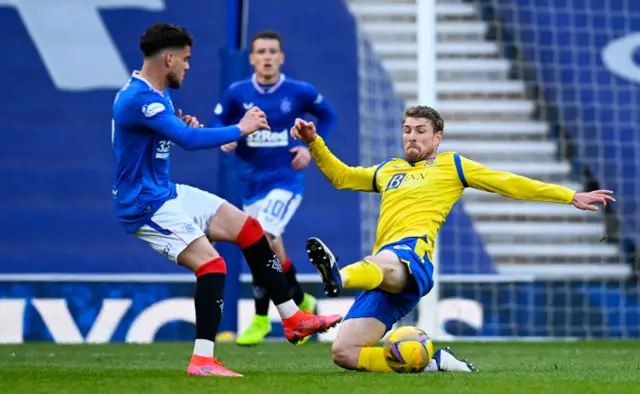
(270, 163)
(181, 221)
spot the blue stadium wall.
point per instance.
(57, 163)
(56, 167)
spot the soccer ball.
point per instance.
(408, 349)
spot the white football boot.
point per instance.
(445, 361)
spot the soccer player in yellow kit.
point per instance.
(418, 192)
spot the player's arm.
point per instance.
(174, 129)
(340, 175)
(155, 116)
(507, 184)
(318, 106)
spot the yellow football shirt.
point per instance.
(417, 197)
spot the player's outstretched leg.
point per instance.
(362, 275)
(274, 223)
(305, 301)
(355, 349)
(390, 292)
(247, 233)
(326, 264)
(260, 326)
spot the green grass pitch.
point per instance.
(546, 368)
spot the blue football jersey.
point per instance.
(265, 157)
(144, 127)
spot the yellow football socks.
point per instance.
(363, 275)
(371, 359)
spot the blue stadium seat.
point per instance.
(562, 47)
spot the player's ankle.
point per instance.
(261, 319)
(299, 315)
(200, 360)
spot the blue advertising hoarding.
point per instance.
(85, 312)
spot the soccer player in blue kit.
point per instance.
(180, 221)
(271, 163)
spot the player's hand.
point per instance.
(252, 121)
(301, 159)
(303, 130)
(230, 147)
(586, 201)
(189, 120)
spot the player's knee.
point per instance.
(196, 254)
(372, 259)
(215, 266)
(345, 356)
(394, 277)
(390, 274)
(233, 225)
(250, 233)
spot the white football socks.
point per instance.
(203, 347)
(287, 309)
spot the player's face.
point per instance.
(419, 139)
(266, 57)
(177, 63)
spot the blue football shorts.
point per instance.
(391, 307)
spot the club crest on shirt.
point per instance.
(430, 162)
(285, 105)
(189, 228)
